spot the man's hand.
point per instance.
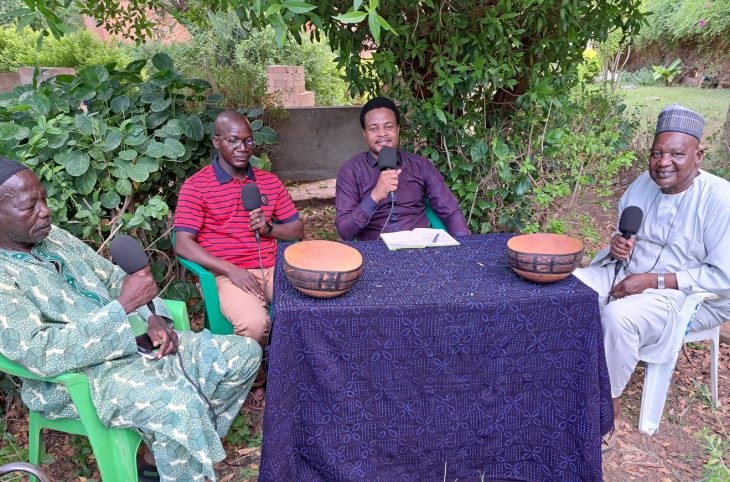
(162, 336)
(387, 183)
(621, 247)
(138, 289)
(257, 221)
(633, 285)
(246, 281)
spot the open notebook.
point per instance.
(418, 238)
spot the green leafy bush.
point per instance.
(76, 50)
(589, 69)
(113, 149)
(640, 77)
(680, 22)
(667, 74)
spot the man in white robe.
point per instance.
(682, 247)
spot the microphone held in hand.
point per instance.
(387, 158)
(129, 255)
(629, 225)
(251, 198)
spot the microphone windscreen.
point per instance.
(630, 221)
(251, 196)
(387, 158)
(128, 254)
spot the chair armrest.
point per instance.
(179, 312)
(433, 218)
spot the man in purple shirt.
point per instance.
(365, 205)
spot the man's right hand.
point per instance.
(387, 183)
(138, 289)
(621, 247)
(246, 281)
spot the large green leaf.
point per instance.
(39, 103)
(155, 149)
(110, 199)
(351, 17)
(127, 154)
(173, 128)
(162, 61)
(138, 172)
(156, 119)
(9, 130)
(124, 187)
(85, 124)
(266, 135)
(57, 141)
(111, 141)
(135, 140)
(85, 183)
(298, 7)
(193, 128)
(120, 104)
(159, 104)
(174, 148)
(76, 163)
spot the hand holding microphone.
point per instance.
(138, 287)
(628, 225)
(388, 180)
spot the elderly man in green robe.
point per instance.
(64, 308)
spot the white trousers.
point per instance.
(643, 326)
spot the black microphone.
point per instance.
(629, 225)
(388, 159)
(129, 255)
(251, 197)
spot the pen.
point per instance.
(435, 238)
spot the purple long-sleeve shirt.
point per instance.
(359, 217)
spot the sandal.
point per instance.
(255, 400)
(147, 473)
(609, 440)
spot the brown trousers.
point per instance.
(248, 313)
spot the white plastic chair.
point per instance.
(658, 375)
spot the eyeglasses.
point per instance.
(235, 142)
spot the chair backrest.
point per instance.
(433, 218)
(214, 319)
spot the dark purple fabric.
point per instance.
(439, 357)
(359, 217)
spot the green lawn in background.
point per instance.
(711, 103)
(647, 102)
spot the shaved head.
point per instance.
(225, 119)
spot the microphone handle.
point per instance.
(151, 307)
(258, 238)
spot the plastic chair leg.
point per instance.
(656, 385)
(116, 454)
(714, 355)
(35, 429)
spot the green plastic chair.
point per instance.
(115, 449)
(214, 319)
(433, 218)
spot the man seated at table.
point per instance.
(367, 199)
(681, 247)
(214, 230)
(63, 308)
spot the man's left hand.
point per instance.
(633, 285)
(162, 336)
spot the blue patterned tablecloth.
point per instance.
(438, 360)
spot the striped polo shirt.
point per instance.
(210, 206)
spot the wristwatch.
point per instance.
(660, 281)
(269, 228)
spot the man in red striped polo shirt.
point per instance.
(213, 229)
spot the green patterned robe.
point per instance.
(58, 313)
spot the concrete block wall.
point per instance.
(286, 83)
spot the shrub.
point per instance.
(590, 67)
(640, 77)
(116, 165)
(688, 21)
(76, 50)
(667, 74)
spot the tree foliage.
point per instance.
(464, 71)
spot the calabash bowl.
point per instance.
(322, 269)
(544, 257)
